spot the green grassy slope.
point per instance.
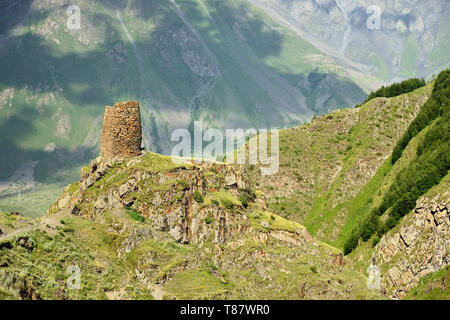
(429, 166)
(432, 287)
(331, 170)
(124, 257)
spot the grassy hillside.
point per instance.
(124, 253)
(429, 166)
(337, 175)
(332, 169)
(219, 231)
(433, 287)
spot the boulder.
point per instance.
(101, 203)
(63, 202)
(160, 223)
(338, 260)
(97, 176)
(177, 233)
(123, 189)
(265, 224)
(89, 181)
(230, 180)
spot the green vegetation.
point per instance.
(264, 220)
(435, 105)
(38, 262)
(359, 206)
(198, 196)
(184, 184)
(135, 215)
(435, 286)
(334, 169)
(222, 198)
(430, 165)
(196, 284)
(396, 89)
(410, 56)
(246, 195)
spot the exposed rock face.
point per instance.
(122, 132)
(192, 54)
(419, 247)
(165, 199)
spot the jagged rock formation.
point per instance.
(170, 200)
(125, 259)
(420, 246)
(122, 132)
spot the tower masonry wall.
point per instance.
(122, 131)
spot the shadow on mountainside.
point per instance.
(86, 77)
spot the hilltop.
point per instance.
(145, 228)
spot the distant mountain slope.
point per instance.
(224, 62)
(411, 39)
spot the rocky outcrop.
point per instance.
(164, 198)
(193, 56)
(338, 260)
(420, 246)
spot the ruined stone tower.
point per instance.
(122, 132)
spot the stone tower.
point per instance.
(122, 132)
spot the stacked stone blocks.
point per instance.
(122, 132)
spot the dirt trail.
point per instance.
(53, 220)
(18, 231)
